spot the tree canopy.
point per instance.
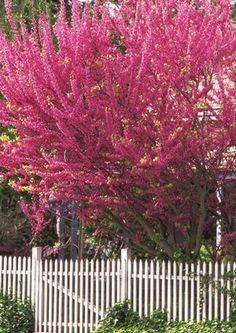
(131, 113)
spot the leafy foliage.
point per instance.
(224, 289)
(15, 315)
(120, 315)
(15, 232)
(121, 318)
(202, 327)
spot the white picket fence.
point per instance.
(71, 297)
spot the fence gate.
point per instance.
(71, 297)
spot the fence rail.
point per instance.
(71, 297)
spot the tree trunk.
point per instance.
(74, 231)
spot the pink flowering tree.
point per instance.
(131, 113)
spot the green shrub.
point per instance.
(133, 329)
(119, 316)
(16, 316)
(180, 327)
(122, 319)
(158, 320)
(201, 327)
(155, 323)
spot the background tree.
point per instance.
(15, 228)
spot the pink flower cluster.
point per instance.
(131, 114)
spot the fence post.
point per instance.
(125, 257)
(35, 278)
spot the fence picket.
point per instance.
(76, 275)
(228, 285)
(146, 286)
(157, 285)
(41, 296)
(102, 288)
(180, 291)
(71, 296)
(23, 293)
(234, 279)
(140, 284)
(135, 285)
(169, 291)
(163, 285)
(86, 296)
(129, 277)
(55, 302)
(108, 284)
(210, 287)
(4, 275)
(81, 295)
(186, 299)
(192, 315)
(204, 315)
(97, 277)
(198, 291)
(9, 285)
(222, 299)
(14, 277)
(50, 296)
(66, 296)
(151, 285)
(45, 321)
(28, 277)
(60, 314)
(174, 291)
(118, 281)
(113, 281)
(19, 279)
(1, 270)
(216, 291)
